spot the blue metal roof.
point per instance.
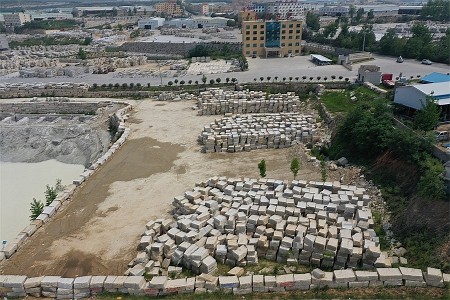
(436, 77)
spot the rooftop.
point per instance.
(438, 89)
(436, 77)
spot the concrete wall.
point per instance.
(409, 97)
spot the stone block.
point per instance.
(82, 282)
(389, 274)
(286, 280)
(343, 276)
(236, 271)
(32, 282)
(158, 282)
(14, 281)
(134, 282)
(228, 282)
(411, 274)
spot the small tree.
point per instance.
(50, 194)
(227, 80)
(190, 81)
(233, 80)
(175, 81)
(428, 117)
(124, 85)
(284, 79)
(211, 81)
(81, 54)
(268, 78)
(131, 85)
(340, 77)
(204, 79)
(333, 77)
(170, 83)
(297, 78)
(311, 78)
(325, 78)
(196, 82)
(323, 170)
(290, 78)
(138, 86)
(95, 86)
(37, 207)
(262, 168)
(318, 77)
(182, 82)
(218, 80)
(304, 77)
(148, 84)
(116, 85)
(347, 79)
(295, 166)
(261, 79)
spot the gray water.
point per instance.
(20, 183)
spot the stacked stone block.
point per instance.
(220, 102)
(257, 131)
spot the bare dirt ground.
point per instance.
(98, 230)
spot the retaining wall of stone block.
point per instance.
(122, 132)
(87, 286)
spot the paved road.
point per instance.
(282, 67)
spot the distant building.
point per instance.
(205, 8)
(16, 19)
(369, 73)
(151, 23)
(200, 22)
(3, 42)
(414, 96)
(410, 10)
(169, 8)
(334, 11)
(271, 38)
(51, 16)
(248, 15)
(282, 9)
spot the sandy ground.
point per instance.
(98, 230)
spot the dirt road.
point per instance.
(98, 230)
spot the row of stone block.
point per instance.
(51, 209)
(218, 101)
(86, 286)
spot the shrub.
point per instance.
(211, 81)
(295, 166)
(37, 207)
(262, 168)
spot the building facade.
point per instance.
(334, 11)
(151, 23)
(16, 19)
(200, 22)
(169, 8)
(271, 38)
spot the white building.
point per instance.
(369, 73)
(334, 11)
(151, 23)
(201, 22)
(285, 9)
(16, 19)
(414, 96)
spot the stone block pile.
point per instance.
(219, 102)
(238, 221)
(257, 131)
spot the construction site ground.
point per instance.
(97, 232)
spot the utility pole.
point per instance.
(364, 40)
(160, 75)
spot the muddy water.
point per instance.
(20, 183)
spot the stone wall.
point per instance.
(54, 106)
(87, 286)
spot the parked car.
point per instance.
(399, 59)
(442, 135)
(426, 62)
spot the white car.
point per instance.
(426, 62)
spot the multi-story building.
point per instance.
(169, 8)
(271, 38)
(334, 11)
(282, 9)
(205, 8)
(16, 19)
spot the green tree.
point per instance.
(351, 12)
(436, 10)
(204, 79)
(428, 117)
(431, 184)
(330, 30)
(295, 166)
(262, 168)
(37, 207)
(312, 21)
(114, 12)
(218, 80)
(359, 14)
(231, 23)
(170, 83)
(87, 41)
(370, 15)
(81, 54)
(50, 194)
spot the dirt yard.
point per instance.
(97, 232)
